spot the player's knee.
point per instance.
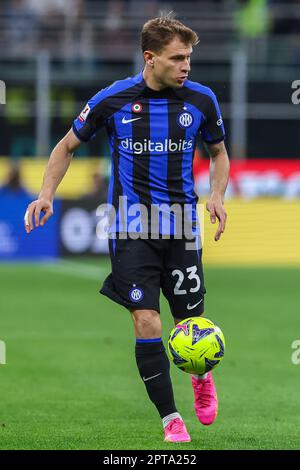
(147, 324)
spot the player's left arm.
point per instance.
(219, 174)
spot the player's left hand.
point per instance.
(215, 206)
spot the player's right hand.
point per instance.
(33, 213)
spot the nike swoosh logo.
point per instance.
(126, 121)
(153, 377)
(190, 307)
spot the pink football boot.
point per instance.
(206, 400)
(176, 431)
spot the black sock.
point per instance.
(154, 368)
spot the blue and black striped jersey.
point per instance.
(152, 137)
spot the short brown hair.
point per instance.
(159, 32)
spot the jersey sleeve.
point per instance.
(91, 118)
(213, 130)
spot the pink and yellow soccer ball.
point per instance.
(196, 345)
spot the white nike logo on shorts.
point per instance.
(125, 121)
(190, 307)
(153, 377)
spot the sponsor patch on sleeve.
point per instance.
(84, 113)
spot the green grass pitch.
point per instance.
(71, 382)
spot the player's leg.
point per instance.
(135, 284)
(184, 289)
(154, 368)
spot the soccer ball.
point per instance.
(196, 345)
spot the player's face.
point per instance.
(172, 64)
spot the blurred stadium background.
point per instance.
(61, 384)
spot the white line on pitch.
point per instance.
(72, 268)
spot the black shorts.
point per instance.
(140, 268)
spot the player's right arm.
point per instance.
(57, 167)
(84, 128)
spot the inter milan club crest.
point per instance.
(136, 107)
(185, 119)
(136, 294)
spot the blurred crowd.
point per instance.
(52, 24)
(13, 185)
